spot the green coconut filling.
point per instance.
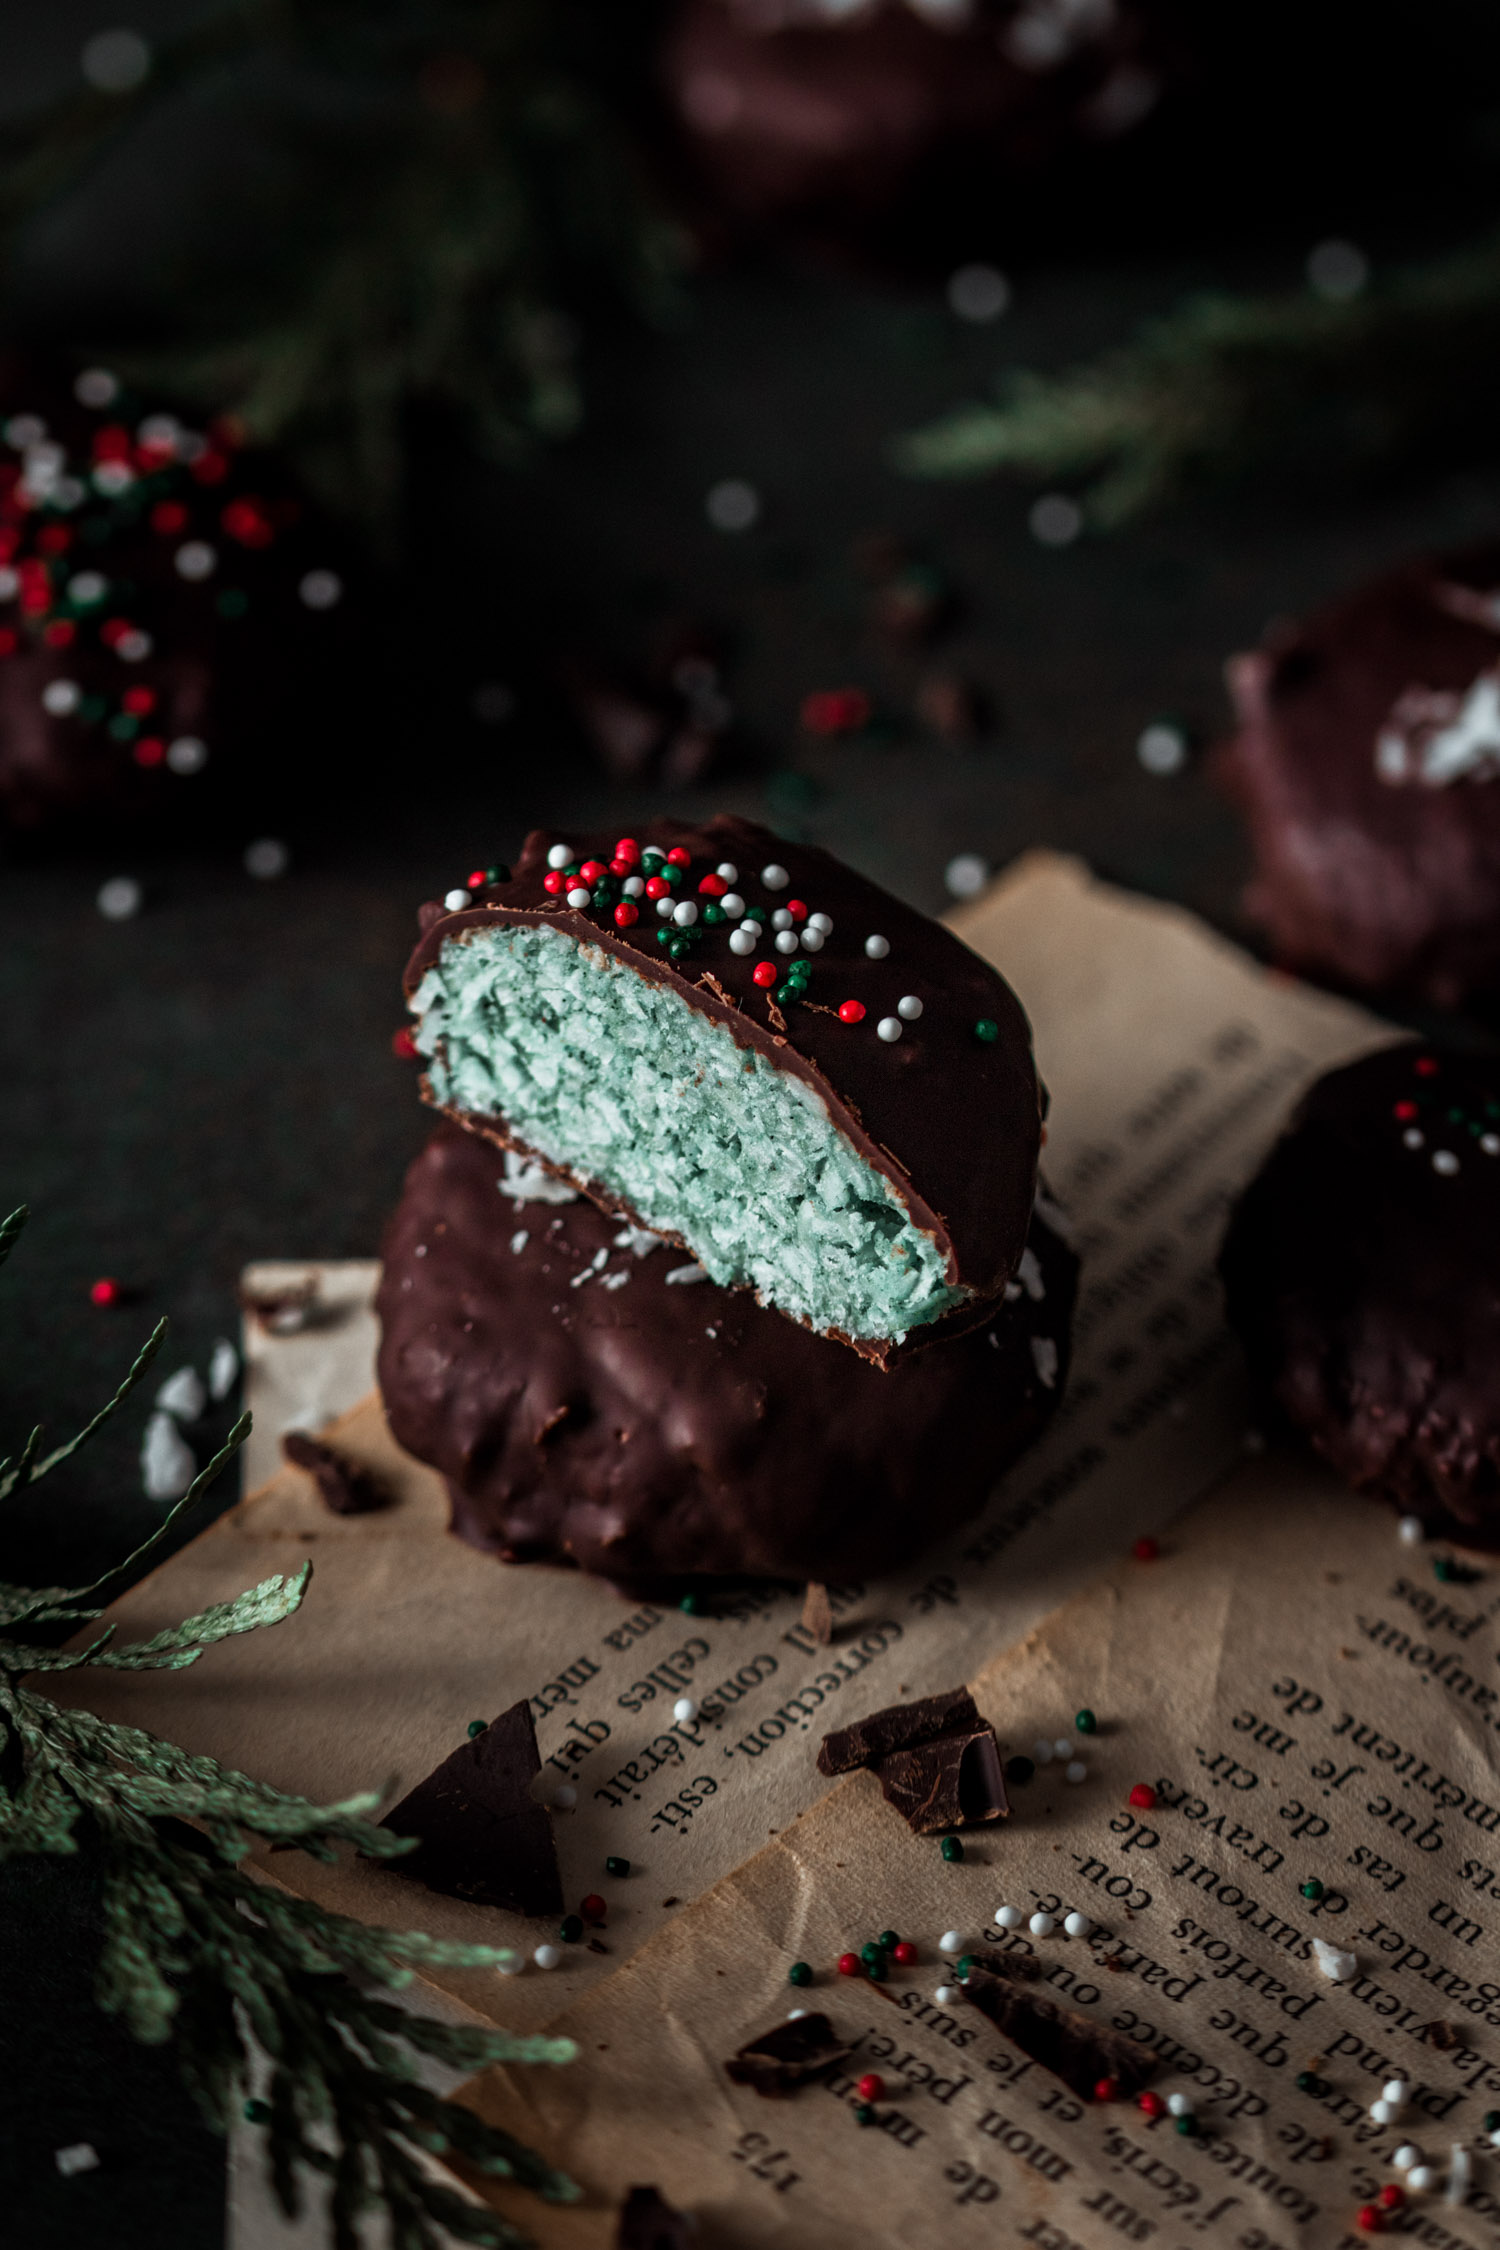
(619, 1081)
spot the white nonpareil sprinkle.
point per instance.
(1337, 271)
(1075, 1770)
(633, 887)
(774, 877)
(978, 293)
(223, 1368)
(10, 583)
(1044, 1359)
(134, 647)
(509, 1964)
(1078, 1925)
(86, 586)
(1413, 1137)
(187, 754)
(732, 504)
(1055, 520)
(1041, 1752)
(687, 1274)
(684, 1710)
(782, 918)
(1334, 1962)
(267, 858)
(547, 1956)
(908, 1007)
(96, 387)
(1062, 1746)
(639, 1241)
(727, 872)
(953, 1941)
(888, 1029)
(519, 1240)
(1161, 748)
(1383, 2113)
(786, 941)
(1460, 2174)
(559, 855)
(1406, 2156)
(945, 1995)
(614, 1280)
(1180, 2105)
(321, 589)
(1490, 1143)
(113, 477)
(743, 940)
(793, 2014)
(195, 559)
(1009, 1917)
(666, 907)
(120, 898)
(182, 1395)
(1041, 1925)
(685, 914)
(966, 875)
(578, 896)
(456, 900)
(529, 1182)
(876, 948)
(23, 430)
(167, 1464)
(78, 2156)
(564, 1797)
(60, 698)
(812, 940)
(1423, 2178)
(732, 905)
(1445, 1162)
(823, 922)
(1396, 2090)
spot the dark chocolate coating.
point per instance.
(659, 1430)
(1365, 1284)
(1365, 882)
(794, 119)
(238, 660)
(953, 1122)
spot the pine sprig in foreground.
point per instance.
(199, 1953)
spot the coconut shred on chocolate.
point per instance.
(818, 1093)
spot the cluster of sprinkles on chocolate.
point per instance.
(1430, 1112)
(942, 1102)
(138, 556)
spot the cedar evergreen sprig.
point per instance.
(198, 1952)
(1228, 385)
(455, 186)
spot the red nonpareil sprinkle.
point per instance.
(712, 886)
(210, 468)
(403, 1046)
(797, 908)
(8, 642)
(621, 867)
(850, 1965)
(54, 539)
(1392, 2196)
(149, 751)
(1151, 2105)
(851, 1011)
(591, 871)
(1145, 1550)
(905, 1955)
(657, 886)
(60, 633)
(677, 857)
(139, 700)
(36, 598)
(246, 520)
(1404, 1112)
(1369, 2219)
(105, 1292)
(168, 516)
(628, 848)
(871, 2087)
(1143, 1796)
(1425, 1066)
(593, 1908)
(1106, 2089)
(625, 913)
(765, 972)
(478, 881)
(553, 880)
(114, 630)
(112, 442)
(836, 711)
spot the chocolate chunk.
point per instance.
(787, 2056)
(649, 2222)
(482, 1837)
(1073, 2047)
(342, 1485)
(954, 1782)
(817, 1614)
(901, 1726)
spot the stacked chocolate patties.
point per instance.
(761, 1282)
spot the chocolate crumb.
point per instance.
(791, 2054)
(649, 2222)
(1073, 2047)
(343, 1487)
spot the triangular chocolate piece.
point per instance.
(482, 1837)
(787, 2056)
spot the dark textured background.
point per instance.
(213, 1082)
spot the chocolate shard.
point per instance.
(342, 1485)
(899, 1727)
(789, 2055)
(953, 1782)
(817, 1614)
(649, 2222)
(481, 1835)
(1073, 2047)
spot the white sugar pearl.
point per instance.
(547, 1956)
(119, 898)
(812, 940)
(966, 875)
(633, 887)
(953, 1941)
(1406, 2156)
(1078, 1925)
(978, 293)
(510, 1964)
(68, 493)
(1180, 2105)
(774, 877)
(1413, 1137)
(112, 477)
(268, 857)
(1041, 1752)
(888, 1028)
(732, 905)
(1062, 1746)
(84, 586)
(1495, 2139)
(1041, 1925)
(786, 941)
(1490, 1143)
(908, 1007)
(792, 2014)
(187, 754)
(823, 922)
(782, 918)
(1075, 1770)
(195, 559)
(732, 504)
(559, 855)
(24, 429)
(877, 948)
(321, 589)
(1395, 2090)
(1055, 520)
(666, 908)
(945, 1995)
(1162, 748)
(1383, 2113)
(456, 900)
(1444, 1161)
(1009, 1917)
(727, 872)
(96, 387)
(1422, 2178)
(134, 647)
(60, 698)
(564, 1797)
(579, 896)
(10, 583)
(684, 1710)
(742, 940)
(685, 914)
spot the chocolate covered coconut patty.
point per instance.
(1362, 1268)
(592, 1398)
(1365, 765)
(817, 1092)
